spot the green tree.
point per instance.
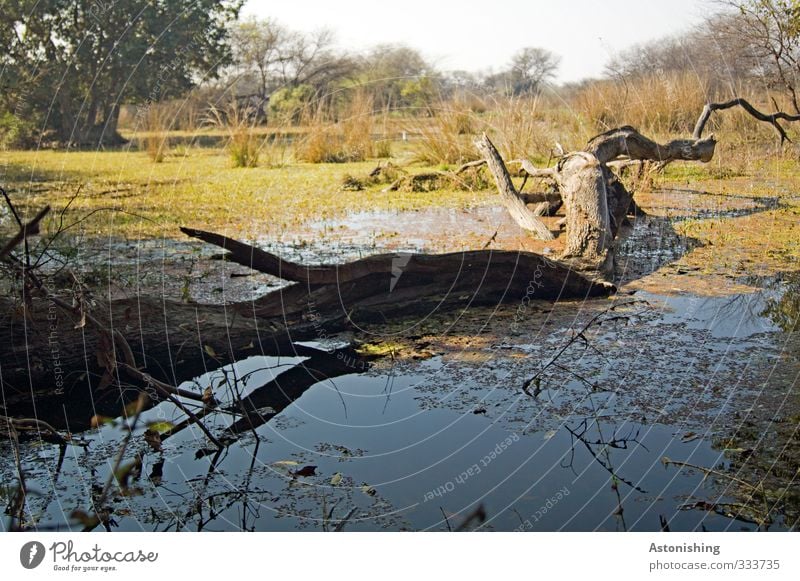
(398, 77)
(70, 64)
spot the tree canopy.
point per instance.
(68, 65)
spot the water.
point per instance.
(422, 439)
(419, 444)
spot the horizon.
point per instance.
(359, 26)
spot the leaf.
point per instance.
(368, 490)
(210, 350)
(306, 471)
(336, 479)
(133, 408)
(153, 440)
(160, 427)
(285, 463)
(99, 421)
(208, 397)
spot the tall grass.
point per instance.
(348, 139)
(156, 132)
(446, 136)
(242, 145)
(521, 127)
(657, 105)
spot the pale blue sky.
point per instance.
(477, 35)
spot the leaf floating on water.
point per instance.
(306, 471)
(368, 490)
(285, 463)
(160, 427)
(689, 436)
(153, 439)
(208, 397)
(99, 421)
(336, 479)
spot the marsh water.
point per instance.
(635, 422)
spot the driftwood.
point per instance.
(511, 198)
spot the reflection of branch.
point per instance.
(166, 391)
(16, 507)
(755, 489)
(724, 509)
(710, 471)
(580, 435)
(580, 335)
(477, 516)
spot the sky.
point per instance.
(478, 35)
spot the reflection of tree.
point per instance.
(784, 310)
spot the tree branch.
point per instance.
(509, 194)
(772, 118)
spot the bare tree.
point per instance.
(270, 58)
(530, 69)
(398, 76)
(772, 29)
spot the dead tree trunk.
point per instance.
(595, 200)
(50, 359)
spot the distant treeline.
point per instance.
(74, 72)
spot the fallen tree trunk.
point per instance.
(52, 364)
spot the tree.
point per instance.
(399, 77)
(530, 69)
(753, 41)
(74, 62)
(772, 29)
(284, 68)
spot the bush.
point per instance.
(16, 133)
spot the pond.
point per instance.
(672, 405)
(423, 442)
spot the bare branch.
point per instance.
(29, 229)
(772, 118)
(509, 194)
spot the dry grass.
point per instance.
(666, 104)
(243, 144)
(346, 140)
(155, 140)
(446, 137)
(520, 128)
